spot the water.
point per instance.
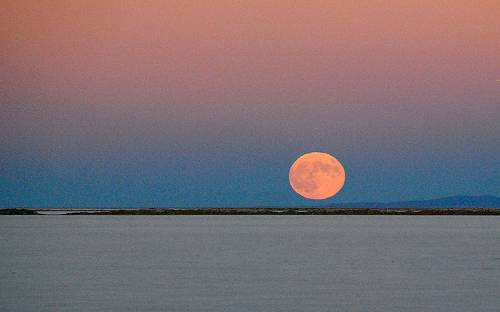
(249, 263)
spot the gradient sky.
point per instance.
(208, 103)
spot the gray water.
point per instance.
(249, 263)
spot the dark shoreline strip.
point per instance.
(274, 211)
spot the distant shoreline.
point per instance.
(262, 211)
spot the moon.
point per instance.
(317, 176)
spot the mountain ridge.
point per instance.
(458, 201)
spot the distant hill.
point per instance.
(445, 202)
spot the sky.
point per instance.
(208, 103)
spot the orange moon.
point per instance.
(317, 176)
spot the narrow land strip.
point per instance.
(262, 211)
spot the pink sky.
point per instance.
(392, 78)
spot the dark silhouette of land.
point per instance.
(18, 211)
(296, 211)
(445, 202)
(456, 205)
(272, 211)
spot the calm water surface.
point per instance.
(249, 263)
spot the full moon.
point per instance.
(317, 176)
